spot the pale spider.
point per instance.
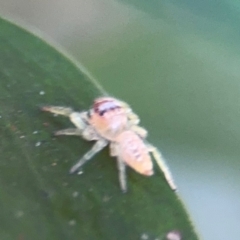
(111, 121)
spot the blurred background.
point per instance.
(177, 64)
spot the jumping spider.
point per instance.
(111, 121)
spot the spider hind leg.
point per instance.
(97, 147)
(163, 166)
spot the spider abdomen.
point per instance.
(134, 152)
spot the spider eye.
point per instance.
(101, 113)
(104, 105)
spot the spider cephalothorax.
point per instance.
(106, 104)
(111, 121)
(109, 117)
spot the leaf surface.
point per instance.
(39, 199)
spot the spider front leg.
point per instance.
(163, 166)
(87, 133)
(97, 147)
(58, 110)
(69, 131)
(79, 119)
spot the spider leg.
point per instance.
(140, 131)
(69, 131)
(133, 118)
(122, 174)
(58, 110)
(121, 167)
(88, 133)
(98, 146)
(79, 119)
(113, 150)
(163, 166)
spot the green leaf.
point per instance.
(39, 199)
